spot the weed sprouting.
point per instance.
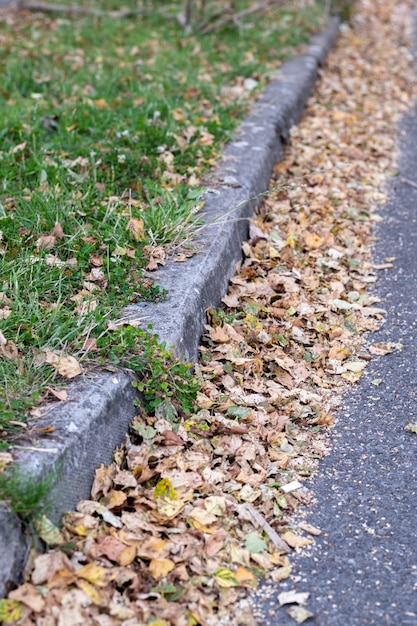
(160, 375)
(24, 497)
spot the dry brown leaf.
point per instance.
(136, 228)
(46, 564)
(46, 242)
(294, 540)
(30, 596)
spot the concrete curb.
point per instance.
(95, 419)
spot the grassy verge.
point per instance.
(106, 126)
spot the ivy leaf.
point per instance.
(255, 544)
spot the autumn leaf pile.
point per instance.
(195, 509)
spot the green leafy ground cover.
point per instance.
(106, 127)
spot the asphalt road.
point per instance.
(363, 568)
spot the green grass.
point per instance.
(24, 497)
(106, 127)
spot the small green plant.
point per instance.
(171, 218)
(28, 499)
(161, 375)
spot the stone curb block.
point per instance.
(95, 418)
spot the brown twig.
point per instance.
(409, 182)
(75, 10)
(247, 510)
(235, 17)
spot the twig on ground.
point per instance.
(235, 17)
(409, 182)
(76, 10)
(256, 517)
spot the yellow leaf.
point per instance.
(245, 577)
(291, 240)
(159, 568)
(312, 241)
(97, 575)
(225, 578)
(47, 531)
(352, 377)
(115, 499)
(165, 489)
(127, 556)
(10, 611)
(60, 579)
(178, 115)
(136, 227)
(81, 530)
(150, 548)
(90, 591)
(101, 103)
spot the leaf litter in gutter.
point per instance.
(164, 538)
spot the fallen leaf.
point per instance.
(159, 568)
(202, 516)
(294, 540)
(225, 578)
(46, 565)
(30, 596)
(136, 227)
(308, 528)
(313, 241)
(245, 577)
(293, 597)
(355, 366)
(299, 614)
(57, 231)
(10, 611)
(384, 347)
(46, 242)
(96, 575)
(67, 366)
(218, 335)
(48, 532)
(281, 573)
(255, 544)
(60, 394)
